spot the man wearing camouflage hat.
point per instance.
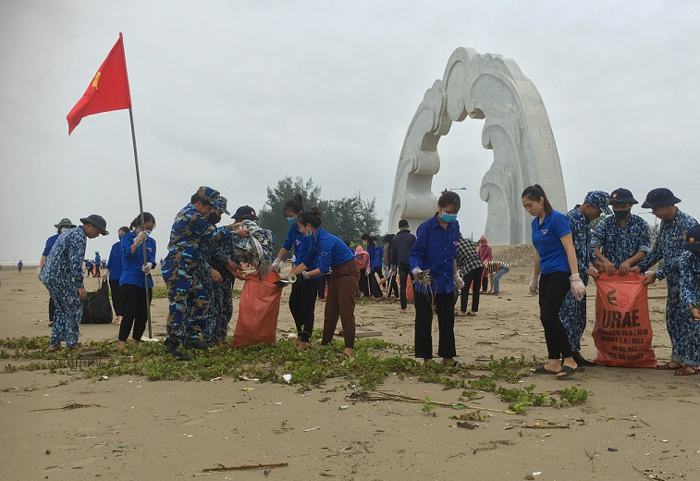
(62, 226)
(668, 246)
(572, 313)
(189, 301)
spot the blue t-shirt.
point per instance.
(436, 249)
(132, 263)
(49, 244)
(546, 237)
(114, 263)
(327, 251)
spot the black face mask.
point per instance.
(214, 218)
(697, 253)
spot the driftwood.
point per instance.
(221, 467)
(69, 406)
(385, 396)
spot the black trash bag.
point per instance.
(96, 308)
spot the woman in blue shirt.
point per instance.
(434, 259)
(375, 264)
(326, 252)
(302, 299)
(555, 263)
(132, 282)
(114, 273)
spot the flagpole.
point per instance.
(138, 184)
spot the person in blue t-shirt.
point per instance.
(132, 283)
(302, 299)
(375, 254)
(433, 260)
(555, 262)
(327, 251)
(112, 274)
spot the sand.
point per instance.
(636, 423)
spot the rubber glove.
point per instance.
(577, 287)
(459, 282)
(416, 271)
(146, 268)
(276, 264)
(142, 236)
(534, 284)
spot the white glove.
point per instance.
(416, 271)
(141, 237)
(577, 287)
(276, 264)
(305, 275)
(146, 268)
(459, 282)
(534, 285)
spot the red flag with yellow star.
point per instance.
(108, 90)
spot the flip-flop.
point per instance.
(460, 315)
(542, 370)
(457, 364)
(669, 367)
(687, 370)
(568, 372)
(470, 314)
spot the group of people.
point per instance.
(200, 268)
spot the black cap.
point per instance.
(692, 239)
(245, 212)
(622, 196)
(98, 221)
(660, 198)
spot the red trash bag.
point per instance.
(622, 332)
(258, 309)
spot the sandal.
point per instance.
(457, 314)
(54, 348)
(542, 370)
(471, 314)
(670, 366)
(455, 363)
(566, 372)
(688, 370)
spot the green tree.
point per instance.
(347, 218)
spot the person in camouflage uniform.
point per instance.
(218, 278)
(572, 313)
(690, 294)
(189, 300)
(619, 242)
(62, 274)
(674, 225)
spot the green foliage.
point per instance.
(469, 416)
(347, 218)
(159, 292)
(572, 396)
(520, 399)
(429, 407)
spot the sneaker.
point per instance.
(581, 361)
(194, 343)
(175, 352)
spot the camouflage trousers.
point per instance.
(67, 316)
(682, 329)
(220, 310)
(188, 305)
(572, 315)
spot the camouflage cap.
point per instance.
(208, 194)
(599, 200)
(221, 204)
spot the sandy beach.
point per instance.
(635, 424)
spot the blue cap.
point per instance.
(599, 200)
(622, 196)
(660, 198)
(221, 204)
(245, 212)
(692, 239)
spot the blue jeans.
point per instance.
(501, 272)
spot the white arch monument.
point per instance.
(516, 128)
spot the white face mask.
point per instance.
(63, 229)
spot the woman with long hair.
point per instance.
(132, 283)
(302, 299)
(332, 255)
(433, 260)
(555, 264)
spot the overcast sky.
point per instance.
(236, 95)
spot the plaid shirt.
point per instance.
(467, 257)
(494, 266)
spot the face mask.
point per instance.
(63, 229)
(622, 214)
(292, 220)
(213, 218)
(449, 217)
(309, 234)
(697, 253)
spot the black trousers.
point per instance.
(393, 287)
(52, 309)
(116, 296)
(472, 277)
(553, 290)
(323, 282)
(375, 290)
(444, 307)
(134, 312)
(302, 301)
(404, 272)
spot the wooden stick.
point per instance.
(221, 467)
(69, 406)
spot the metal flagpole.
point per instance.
(143, 224)
(138, 184)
